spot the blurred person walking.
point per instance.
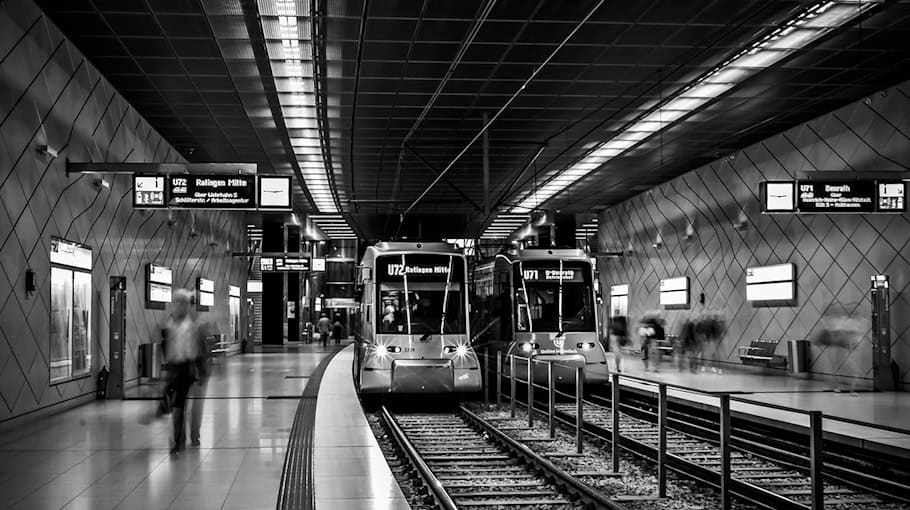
(842, 332)
(337, 329)
(182, 353)
(651, 331)
(198, 388)
(618, 337)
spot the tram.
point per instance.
(540, 304)
(413, 334)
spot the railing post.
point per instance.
(498, 378)
(662, 441)
(579, 408)
(725, 451)
(530, 392)
(512, 384)
(614, 411)
(816, 459)
(551, 399)
(486, 375)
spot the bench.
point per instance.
(761, 352)
(667, 345)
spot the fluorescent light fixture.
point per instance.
(802, 30)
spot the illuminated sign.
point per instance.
(266, 264)
(892, 196)
(832, 197)
(553, 275)
(159, 274)
(233, 291)
(232, 191)
(205, 285)
(71, 254)
(401, 269)
(318, 264)
(148, 191)
(159, 293)
(253, 287)
(275, 192)
(206, 299)
(284, 264)
(771, 283)
(674, 292)
(619, 290)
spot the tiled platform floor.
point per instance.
(99, 456)
(350, 470)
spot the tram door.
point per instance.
(117, 337)
(882, 378)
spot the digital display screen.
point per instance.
(148, 191)
(266, 264)
(836, 196)
(233, 291)
(552, 275)
(674, 292)
(284, 264)
(70, 254)
(234, 191)
(771, 283)
(253, 286)
(318, 264)
(159, 293)
(159, 274)
(423, 267)
(892, 196)
(779, 196)
(205, 285)
(206, 299)
(275, 192)
(619, 290)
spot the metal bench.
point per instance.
(761, 352)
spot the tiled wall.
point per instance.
(835, 255)
(50, 94)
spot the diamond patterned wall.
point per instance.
(835, 255)
(50, 94)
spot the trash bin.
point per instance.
(798, 352)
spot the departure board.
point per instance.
(233, 191)
(148, 191)
(836, 196)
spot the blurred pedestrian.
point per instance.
(687, 346)
(182, 354)
(337, 329)
(198, 388)
(618, 332)
(842, 332)
(651, 332)
(324, 326)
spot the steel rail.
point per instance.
(443, 500)
(570, 483)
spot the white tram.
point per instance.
(540, 303)
(413, 336)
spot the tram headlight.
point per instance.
(527, 346)
(587, 346)
(458, 350)
(382, 350)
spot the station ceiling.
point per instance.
(394, 91)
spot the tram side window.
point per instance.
(504, 305)
(392, 312)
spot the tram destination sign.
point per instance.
(213, 191)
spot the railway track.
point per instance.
(758, 479)
(467, 463)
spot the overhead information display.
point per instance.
(836, 196)
(148, 191)
(830, 197)
(284, 264)
(234, 191)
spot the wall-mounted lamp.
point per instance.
(629, 249)
(658, 242)
(690, 231)
(47, 150)
(101, 183)
(742, 221)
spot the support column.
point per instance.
(273, 307)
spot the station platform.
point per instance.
(875, 421)
(102, 456)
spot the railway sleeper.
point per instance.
(517, 503)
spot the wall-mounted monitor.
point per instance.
(275, 192)
(674, 292)
(619, 290)
(205, 294)
(778, 196)
(158, 280)
(254, 287)
(233, 291)
(892, 196)
(771, 285)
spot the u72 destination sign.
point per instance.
(236, 191)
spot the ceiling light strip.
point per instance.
(802, 30)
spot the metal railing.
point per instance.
(815, 425)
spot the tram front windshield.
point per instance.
(421, 294)
(550, 300)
